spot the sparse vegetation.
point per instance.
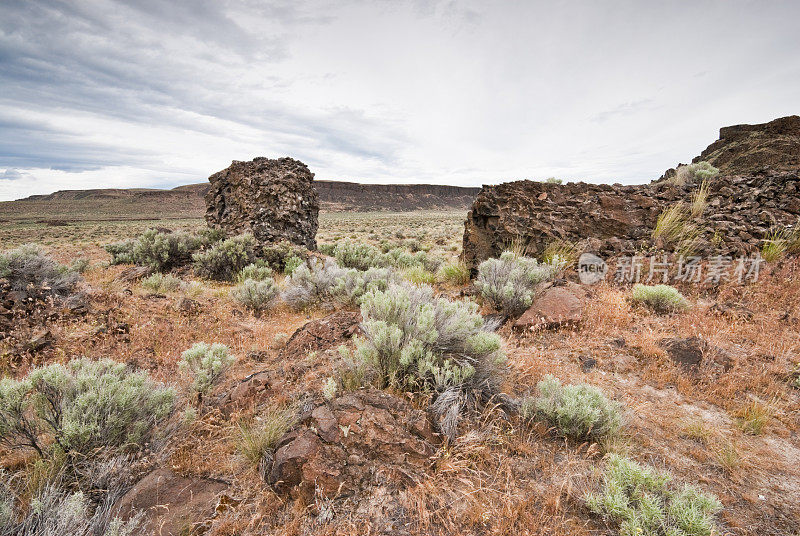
(508, 283)
(752, 418)
(660, 298)
(574, 411)
(80, 407)
(639, 500)
(675, 229)
(205, 363)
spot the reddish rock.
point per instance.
(355, 439)
(322, 334)
(555, 306)
(171, 503)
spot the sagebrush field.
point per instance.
(590, 428)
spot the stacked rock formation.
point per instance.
(743, 205)
(274, 200)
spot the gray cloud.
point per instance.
(11, 175)
(459, 92)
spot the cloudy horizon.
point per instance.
(159, 94)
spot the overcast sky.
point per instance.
(149, 93)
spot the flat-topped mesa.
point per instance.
(274, 200)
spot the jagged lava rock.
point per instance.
(612, 220)
(274, 200)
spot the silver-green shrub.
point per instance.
(29, 266)
(56, 512)
(81, 406)
(122, 252)
(576, 411)
(639, 500)
(357, 255)
(352, 284)
(312, 283)
(161, 283)
(660, 298)
(415, 341)
(257, 296)
(508, 283)
(225, 259)
(205, 363)
(164, 251)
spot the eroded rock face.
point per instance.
(360, 438)
(274, 200)
(611, 220)
(750, 148)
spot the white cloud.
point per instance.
(153, 93)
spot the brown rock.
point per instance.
(553, 307)
(322, 334)
(134, 273)
(357, 438)
(171, 503)
(691, 352)
(274, 200)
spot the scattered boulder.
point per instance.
(554, 306)
(133, 273)
(360, 438)
(691, 352)
(322, 334)
(274, 200)
(171, 503)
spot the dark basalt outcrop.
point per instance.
(615, 220)
(274, 200)
(743, 149)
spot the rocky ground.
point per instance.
(710, 394)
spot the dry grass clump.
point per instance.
(454, 273)
(659, 298)
(258, 438)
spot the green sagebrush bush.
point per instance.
(415, 341)
(258, 296)
(659, 298)
(277, 255)
(292, 262)
(508, 283)
(357, 255)
(576, 411)
(257, 271)
(29, 266)
(225, 260)
(160, 250)
(205, 363)
(161, 283)
(639, 500)
(81, 406)
(318, 281)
